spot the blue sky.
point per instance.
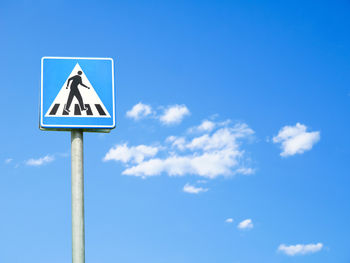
(236, 153)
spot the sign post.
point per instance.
(78, 228)
(77, 95)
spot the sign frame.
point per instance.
(70, 127)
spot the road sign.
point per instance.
(77, 93)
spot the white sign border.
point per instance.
(48, 126)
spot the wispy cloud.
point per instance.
(193, 189)
(126, 154)
(8, 160)
(209, 165)
(169, 115)
(229, 220)
(210, 155)
(40, 161)
(295, 139)
(245, 224)
(246, 170)
(300, 249)
(205, 126)
(177, 142)
(139, 111)
(174, 114)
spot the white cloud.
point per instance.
(246, 224)
(174, 114)
(194, 190)
(126, 154)
(229, 220)
(208, 156)
(300, 249)
(178, 142)
(206, 126)
(222, 138)
(8, 160)
(245, 171)
(209, 165)
(139, 111)
(295, 139)
(41, 161)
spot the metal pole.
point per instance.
(78, 232)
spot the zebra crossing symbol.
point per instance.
(77, 93)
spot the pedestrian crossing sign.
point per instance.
(77, 93)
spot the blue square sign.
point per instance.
(77, 93)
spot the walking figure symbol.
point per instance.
(74, 91)
(78, 98)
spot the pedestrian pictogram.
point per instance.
(77, 98)
(77, 93)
